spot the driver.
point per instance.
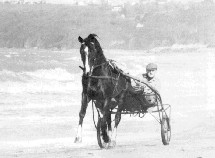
(150, 78)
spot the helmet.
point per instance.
(151, 66)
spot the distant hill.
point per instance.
(58, 26)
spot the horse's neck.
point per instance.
(100, 58)
(99, 64)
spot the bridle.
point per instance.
(95, 65)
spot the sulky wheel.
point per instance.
(165, 130)
(102, 136)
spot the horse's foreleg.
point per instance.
(106, 122)
(82, 113)
(109, 125)
(114, 132)
(117, 119)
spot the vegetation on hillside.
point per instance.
(58, 26)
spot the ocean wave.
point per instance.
(41, 81)
(57, 74)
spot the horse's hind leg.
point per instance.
(82, 113)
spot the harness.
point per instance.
(100, 77)
(105, 77)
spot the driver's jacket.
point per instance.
(140, 88)
(154, 82)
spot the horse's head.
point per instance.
(91, 52)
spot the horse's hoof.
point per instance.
(112, 144)
(78, 140)
(106, 145)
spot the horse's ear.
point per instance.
(92, 36)
(80, 39)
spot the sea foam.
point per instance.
(56, 80)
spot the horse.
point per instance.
(102, 84)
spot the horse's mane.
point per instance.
(92, 38)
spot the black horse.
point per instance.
(104, 85)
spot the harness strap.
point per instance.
(106, 77)
(115, 87)
(95, 66)
(103, 77)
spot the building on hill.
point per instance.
(11, 1)
(24, 1)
